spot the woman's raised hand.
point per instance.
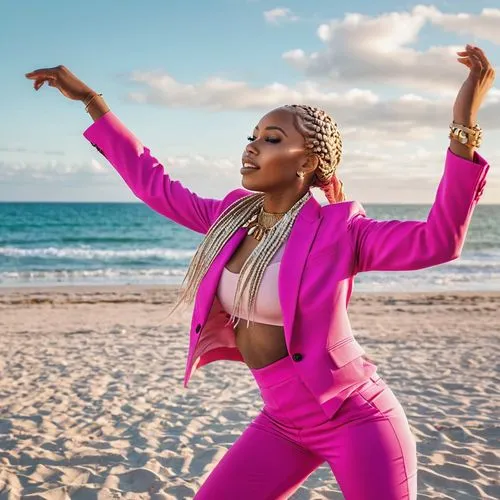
(477, 84)
(61, 78)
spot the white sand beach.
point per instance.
(92, 404)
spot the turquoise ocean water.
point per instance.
(128, 243)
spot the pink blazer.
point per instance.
(327, 247)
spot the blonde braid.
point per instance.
(235, 216)
(322, 137)
(254, 267)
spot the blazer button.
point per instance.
(198, 328)
(297, 356)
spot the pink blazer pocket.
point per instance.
(345, 351)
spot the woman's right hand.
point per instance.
(61, 78)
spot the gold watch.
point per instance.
(468, 136)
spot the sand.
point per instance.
(92, 403)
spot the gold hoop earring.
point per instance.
(301, 175)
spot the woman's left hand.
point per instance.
(473, 91)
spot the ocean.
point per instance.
(128, 243)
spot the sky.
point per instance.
(192, 78)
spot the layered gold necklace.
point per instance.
(260, 223)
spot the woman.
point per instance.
(277, 259)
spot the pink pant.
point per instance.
(368, 444)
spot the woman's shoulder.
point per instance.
(235, 195)
(232, 197)
(342, 210)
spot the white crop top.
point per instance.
(267, 304)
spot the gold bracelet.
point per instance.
(91, 99)
(87, 97)
(470, 137)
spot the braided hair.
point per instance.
(322, 138)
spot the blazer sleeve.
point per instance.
(396, 245)
(145, 176)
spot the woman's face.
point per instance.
(276, 148)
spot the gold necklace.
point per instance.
(260, 223)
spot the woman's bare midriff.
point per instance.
(260, 344)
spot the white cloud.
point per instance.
(19, 149)
(485, 26)
(493, 96)
(212, 176)
(96, 166)
(358, 111)
(279, 14)
(362, 49)
(218, 94)
(181, 164)
(20, 168)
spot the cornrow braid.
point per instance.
(322, 137)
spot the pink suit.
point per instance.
(326, 248)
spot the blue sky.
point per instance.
(384, 70)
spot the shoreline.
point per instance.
(66, 288)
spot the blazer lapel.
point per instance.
(294, 259)
(291, 268)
